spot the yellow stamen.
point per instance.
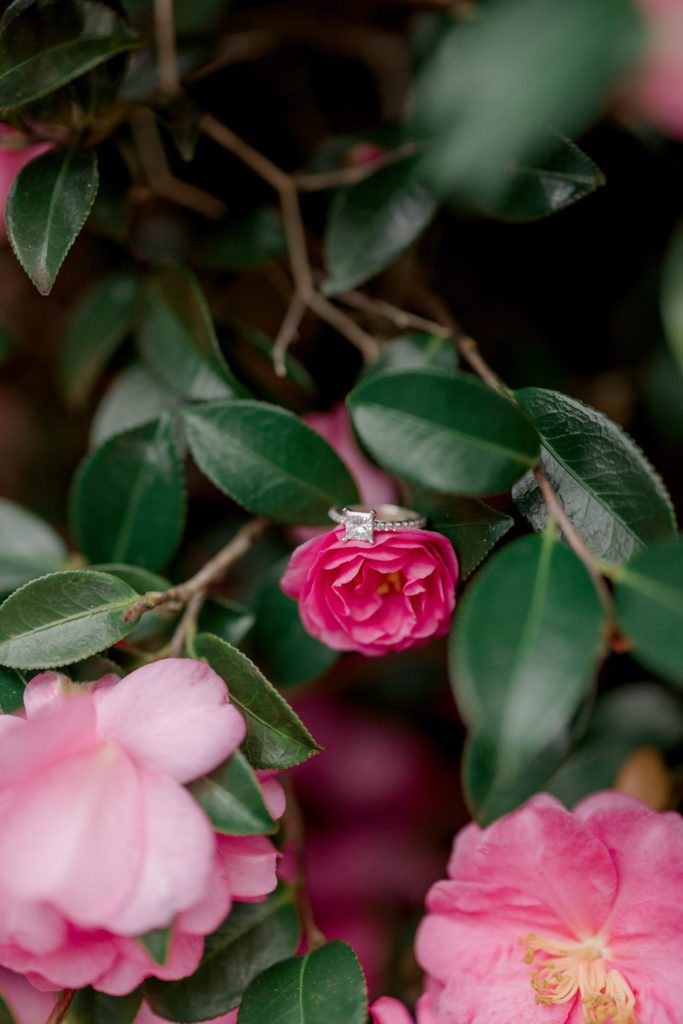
(392, 581)
(606, 998)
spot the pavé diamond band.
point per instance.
(361, 522)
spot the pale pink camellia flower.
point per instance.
(26, 1004)
(12, 158)
(553, 917)
(100, 841)
(389, 1011)
(395, 593)
(659, 85)
(374, 486)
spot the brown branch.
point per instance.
(164, 29)
(213, 570)
(352, 175)
(285, 186)
(187, 624)
(287, 333)
(61, 1007)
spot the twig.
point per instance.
(213, 570)
(352, 175)
(164, 28)
(61, 1007)
(572, 536)
(296, 837)
(239, 47)
(187, 624)
(161, 180)
(285, 186)
(287, 333)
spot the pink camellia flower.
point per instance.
(374, 486)
(550, 917)
(12, 158)
(26, 1004)
(100, 841)
(395, 593)
(659, 88)
(389, 1011)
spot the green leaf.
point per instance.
(251, 240)
(671, 298)
(157, 943)
(268, 461)
(545, 186)
(472, 527)
(63, 617)
(92, 668)
(46, 43)
(134, 397)
(128, 499)
(227, 619)
(91, 1007)
(47, 206)
(324, 987)
(525, 650)
(6, 1015)
(253, 937)
(7, 345)
(450, 433)
(28, 546)
(609, 490)
(649, 600)
(11, 691)
(290, 656)
(141, 580)
(100, 323)
(416, 352)
(626, 719)
(233, 800)
(276, 736)
(178, 341)
(373, 222)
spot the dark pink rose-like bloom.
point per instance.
(374, 598)
(552, 917)
(100, 841)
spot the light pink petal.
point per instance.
(78, 963)
(425, 1010)
(47, 690)
(90, 807)
(250, 864)
(30, 747)
(646, 945)
(204, 917)
(133, 964)
(33, 927)
(389, 1011)
(178, 851)
(28, 1005)
(273, 794)
(172, 714)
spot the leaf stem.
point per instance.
(61, 1007)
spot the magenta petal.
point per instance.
(174, 715)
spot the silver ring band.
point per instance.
(361, 522)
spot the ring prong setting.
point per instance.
(359, 525)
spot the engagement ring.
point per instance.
(362, 522)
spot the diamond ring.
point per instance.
(362, 522)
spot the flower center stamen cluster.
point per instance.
(562, 971)
(393, 581)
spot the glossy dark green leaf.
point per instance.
(227, 619)
(233, 800)
(493, 83)
(178, 341)
(89, 669)
(672, 296)
(63, 617)
(142, 581)
(525, 649)
(128, 500)
(611, 493)
(268, 461)
(157, 943)
(625, 720)
(289, 655)
(46, 208)
(256, 238)
(253, 937)
(46, 43)
(91, 1007)
(133, 398)
(416, 352)
(373, 222)
(11, 691)
(276, 737)
(28, 546)
(6, 1015)
(547, 185)
(649, 599)
(100, 323)
(472, 527)
(449, 432)
(324, 987)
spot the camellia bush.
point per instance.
(299, 580)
